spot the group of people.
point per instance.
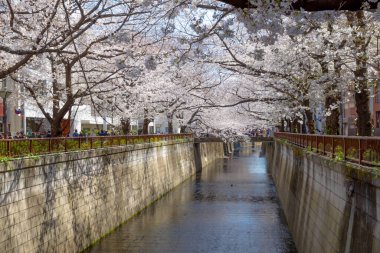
(92, 133)
(18, 135)
(30, 134)
(48, 134)
(261, 132)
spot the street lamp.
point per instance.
(4, 94)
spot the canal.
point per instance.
(230, 207)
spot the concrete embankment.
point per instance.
(330, 206)
(209, 151)
(238, 145)
(65, 202)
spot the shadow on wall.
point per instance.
(197, 157)
(336, 202)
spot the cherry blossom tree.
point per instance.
(79, 67)
(332, 47)
(309, 5)
(255, 63)
(33, 27)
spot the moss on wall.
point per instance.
(65, 202)
(330, 205)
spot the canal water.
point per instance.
(231, 206)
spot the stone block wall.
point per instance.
(330, 206)
(65, 202)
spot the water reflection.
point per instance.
(230, 207)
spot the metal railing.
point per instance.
(357, 149)
(37, 146)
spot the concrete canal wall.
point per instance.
(238, 145)
(330, 206)
(65, 202)
(210, 151)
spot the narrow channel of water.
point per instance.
(231, 206)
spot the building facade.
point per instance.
(350, 116)
(23, 115)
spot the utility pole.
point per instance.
(4, 94)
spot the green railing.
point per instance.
(36, 146)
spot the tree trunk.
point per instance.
(309, 117)
(60, 112)
(332, 99)
(145, 129)
(146, 122)
(5, 121)
(364, 125)
(126, 125)
(289, 125)
(364, 116)
(332, 121)
(169, 116)
(56, 91)
(282, 129)
(56, 129)
(170, 126)
(291, 128)
(310, 122)
(295, 126)
(183, 129)
(281, 126)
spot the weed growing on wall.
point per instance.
(5, 159)
(339, 154)
(33, 157)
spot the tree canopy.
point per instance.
(311, 5)
(221, 66)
